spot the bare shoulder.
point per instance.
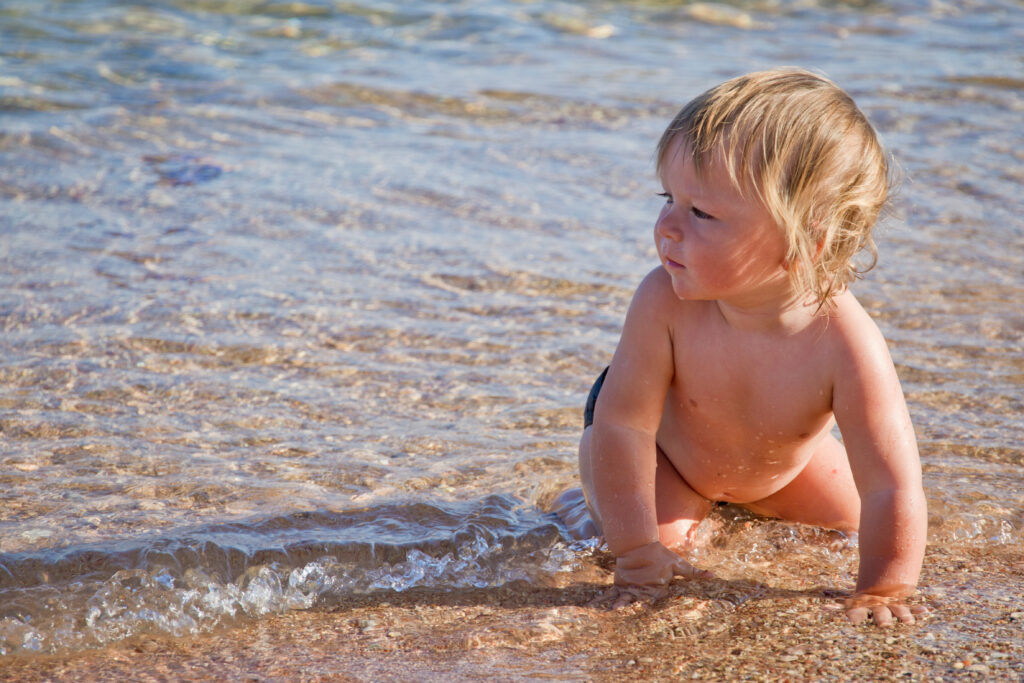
(656, 297)
(650, 311)
(864, 379)
(854, 337)
(656, 289)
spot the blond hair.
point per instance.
(802, 145)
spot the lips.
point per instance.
(669, 263)
(663, 248)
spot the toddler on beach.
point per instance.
(745, 347)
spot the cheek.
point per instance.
(770, 239)
(721, 262)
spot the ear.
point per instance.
(820, 248)
(820, 245)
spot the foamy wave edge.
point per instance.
(222, 575)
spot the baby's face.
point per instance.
(715, 241)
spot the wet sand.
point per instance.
(703, 630)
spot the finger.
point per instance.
(902, 612)
(602, 600)
(639, 594)
(856, 615)
(616, 597)
(625, 599)
(882, 615)
(687, 570)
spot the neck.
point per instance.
(786, 314)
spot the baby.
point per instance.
(743, 350)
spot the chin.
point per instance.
(682, 291)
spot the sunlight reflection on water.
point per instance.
(261, 260)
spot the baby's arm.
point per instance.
(623, 445)
(872, 415)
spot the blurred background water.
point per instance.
(305, 297)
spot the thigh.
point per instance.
(680, 509)
(823, 494)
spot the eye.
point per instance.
(667, 196)
(704, 216)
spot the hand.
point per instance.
(643, 574)
(883, 605)
(652, 565)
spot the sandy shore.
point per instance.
(704, 630)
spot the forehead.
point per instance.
(710, 173)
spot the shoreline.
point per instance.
(703, 630)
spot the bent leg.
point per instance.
(823, 494)
(679, 508)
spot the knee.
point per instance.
(584, 452)
(587, 474)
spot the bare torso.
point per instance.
(742, 419)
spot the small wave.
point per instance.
(87, 596)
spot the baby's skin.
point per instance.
(726, 385)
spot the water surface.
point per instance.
(300, 298)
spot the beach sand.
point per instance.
(703, 630)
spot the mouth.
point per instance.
(671, 264)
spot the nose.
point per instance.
(668, 225)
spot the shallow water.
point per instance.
(306, 297)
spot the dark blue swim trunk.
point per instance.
(588, 411)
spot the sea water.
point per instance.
(301, 299)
